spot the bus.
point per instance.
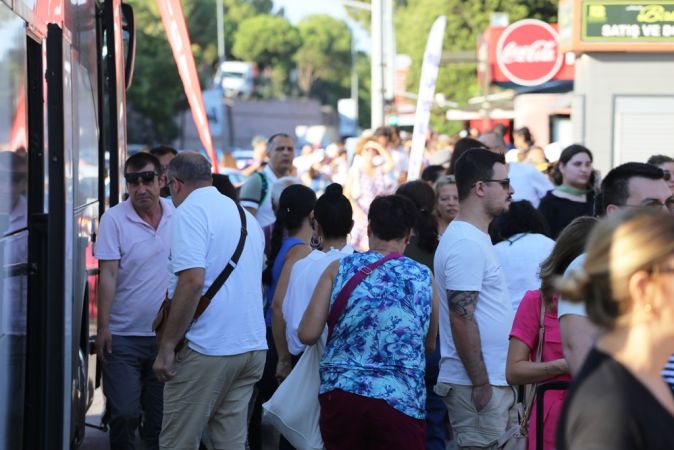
(65, 67)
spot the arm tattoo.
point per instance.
(463, 303)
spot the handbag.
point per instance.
(515, 437)
(159, 322)
(294, 409)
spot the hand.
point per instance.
(103, 343)
(163, 364)
(560, 366)
(283, 368)
(481, 396)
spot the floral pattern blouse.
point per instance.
(377, 347)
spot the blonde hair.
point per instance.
(442, 182)
(620, 246)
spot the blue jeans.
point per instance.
(133, 392)
(436, 429)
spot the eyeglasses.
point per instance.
(284, 148)
(657, 204)
(505, 182)
(146, 177)
(173, 180)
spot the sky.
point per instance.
(296, 10)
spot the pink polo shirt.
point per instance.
(143, 255)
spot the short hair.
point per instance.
(333, 212)
(461, 147)
(162, 150)
(658, 160)
(521, 217)
(615, 186)
(270, 141)
(431, 173)
(141, 159)
(426, 226)
(391, 217)
(473, 166)
(190, 167)
(258, 139)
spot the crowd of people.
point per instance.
(437, 305)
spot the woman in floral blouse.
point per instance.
(372, 391)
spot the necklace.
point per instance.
(516, 237)
(572, 190)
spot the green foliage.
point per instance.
(325, 53)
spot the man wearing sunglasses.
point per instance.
(133, 251)
(256, 191)
(630, 185)
(474, 341)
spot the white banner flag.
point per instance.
(429, 74)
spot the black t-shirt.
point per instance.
(559, 212)
(608, 408)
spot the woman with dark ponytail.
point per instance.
(424, 238)
(290, 241)
(334, 220)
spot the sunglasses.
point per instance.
(146, 177)
(505, 182)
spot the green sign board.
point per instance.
(619, 21)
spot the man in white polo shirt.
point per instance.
(210, 381)
(476, 311)
(133, 250)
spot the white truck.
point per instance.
(236, 78)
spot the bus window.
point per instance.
(13, 227)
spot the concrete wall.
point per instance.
(602, 77)
(533, 111)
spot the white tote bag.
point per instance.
(294, 409)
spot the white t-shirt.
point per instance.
(253, 188)
(205, 232)
(303, 280)
(142, 253)
(465, 261)
(521, 257)
(565, 307)
(528, 183)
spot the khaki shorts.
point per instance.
(477, 429)
(209, 392)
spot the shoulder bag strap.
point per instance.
(340, 302)
(205, 299)
(531, 388)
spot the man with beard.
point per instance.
(474, 341)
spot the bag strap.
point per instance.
(205, 299)
(340, 302)
(531, 388)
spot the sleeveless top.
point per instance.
(377, 347)
(276, 269)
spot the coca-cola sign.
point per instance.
(528, 52)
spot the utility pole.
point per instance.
(377, 72)
(354, 75)
(220, 20)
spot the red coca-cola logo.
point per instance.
(528, 52)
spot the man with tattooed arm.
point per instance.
(475, 311)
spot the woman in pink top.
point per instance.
(521, 367)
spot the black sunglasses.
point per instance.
(505, 182)
(146, 177)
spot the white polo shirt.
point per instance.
(205, 232)
(142, 253)
(465, 261)
(303, 280)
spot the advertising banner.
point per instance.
(615, 21)
(429, 75)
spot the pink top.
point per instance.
(525, 328)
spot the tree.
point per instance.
(156, 95)
(270, 42)
(325, 52)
